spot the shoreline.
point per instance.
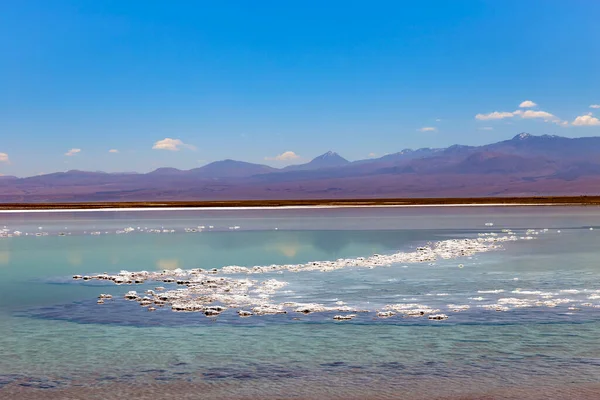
(316, 207)
(298, 204)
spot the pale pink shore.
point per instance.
(73, 210)
(279, 390)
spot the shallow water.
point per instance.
(54, 338)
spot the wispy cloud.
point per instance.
(524, 114)
(543, 115)
(494, 115)
(4, 158)
(171, 145)
(533, 114)
(113, 151)
(527, 104)
(595, 106)
(428, 129)
(486, 128)
(72, 152)
(285, 156)
(372, 155)
(586, 120)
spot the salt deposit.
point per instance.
(411, 309)
(215, 291)
(344, 317)
(385, 314)
(458, 308)
(438, 317)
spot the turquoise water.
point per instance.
(53, 335)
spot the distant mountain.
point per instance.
(404, 155)
(327, 160)
(551, 146)
(230, 169)
(494, 163)
(217, 170)
(166, 171)
(523, 165)
(72, 177)
(7, 180)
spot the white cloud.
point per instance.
(586, 120)
(428, 129)
(494, 115)
(371, 155)
(595, 106)
(72, 152)
(4, 158)
(536, 114)
(171, 145)
(438, 120)
(486, 128)
(113, 151)
(527, 104)
(524, 114)
(285, 156)
(546, 116)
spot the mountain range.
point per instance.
(525, 165)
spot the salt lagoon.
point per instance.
(301, 303)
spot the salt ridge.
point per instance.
(203, 291)
(209, 292)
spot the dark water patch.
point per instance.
(107, 378)
(180, 364)
(334, 364)
(41, 383)
(8, 379)
(166, 378)
(150, 371)
(254, 372)
(392, 366)
(589, 361)
(340, 367)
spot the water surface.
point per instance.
(55, 340)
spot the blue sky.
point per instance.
(254, 80)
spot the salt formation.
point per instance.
(438, 317)
(6, 233)
(411, 309)
(211, 295)
(201, 291)
(446, 249)
(458, 308)
(212, 292)
(344, 317)
(243, 313)
(385, 314)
